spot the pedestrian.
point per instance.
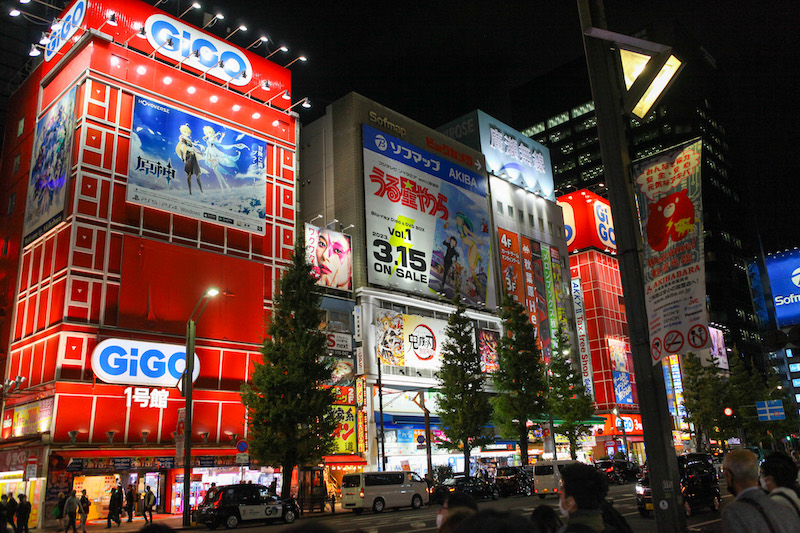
(149, 502)
(3, 513)
(454, 500)
(59, 510)
(779, 478)
(114, 507)
(85, 504)
(11, 511)
(72, 506)
(545, 519)
(23, 514)
(752, 511)
(130, 501)
(584, 489)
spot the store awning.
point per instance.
(350, 459)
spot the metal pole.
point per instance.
(427, 432)
(381, 436)
(661, 457)
(187, 425)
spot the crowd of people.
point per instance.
(70, 507)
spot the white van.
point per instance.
(379, 490)
(547, 476)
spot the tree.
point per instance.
(702, 397)
(520, 379)
(568, 400)
(464, 409)
(289, 410)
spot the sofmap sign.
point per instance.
(129, 362)
(784, 279)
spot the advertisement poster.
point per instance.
(328, 252)
(669, 195)
(541, 301)
(193, 167)
(409, 340)
(583, 336)
(487, 347)
(783, 270)
(51, 165)
(345, 433)
(622, 387)
(550, 284)
(618, 353)
(426, 220)
(530, 284)
(511, 265)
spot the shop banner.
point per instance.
(29, 419)
(543, 330)
(550, 292)
(179, 428)
(426, 221)
(196, 168)
(409, 340)
(487, 347)
(623, 390)
(613, 425)
(618, 353)
(51, 167)
(669, 195)
(345, 433)
(361, 430)
(511, 265)
(329, 253)
(530, 283)
(583, 337)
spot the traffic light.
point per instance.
(728, 411)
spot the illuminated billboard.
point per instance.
(587, 221)
(50, 169)
(427, 220)
(409, 340)
(783, 270)
(196, 168)
(329, 253)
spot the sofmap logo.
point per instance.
(796, 277)
(130, 362)
(70, 23)
(225, 62)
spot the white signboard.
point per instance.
(130, 362)
(583, 337)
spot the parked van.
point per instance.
(379, 490)
(547, 476)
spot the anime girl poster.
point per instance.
(51, 165)
(195, 167)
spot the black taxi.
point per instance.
(229, 505)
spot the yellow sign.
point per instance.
(345, 432)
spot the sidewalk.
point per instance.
(173, 521)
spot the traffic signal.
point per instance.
(728, 411)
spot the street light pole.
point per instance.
(606, 92)
(187, 392)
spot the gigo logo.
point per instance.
(604, 224)
(70, 23)
(235, 67)
(150, 364)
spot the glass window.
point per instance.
(511, 211)
(20, 126)
(500, 207)
(530, 221)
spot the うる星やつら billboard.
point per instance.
(669, 194)
(193, 167)
(51, 165)
(427, 220)
(329, 253)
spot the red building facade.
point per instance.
(127, 253)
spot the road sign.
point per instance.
(770, 410)
(241, 446)
(656, 351)
(242, 458)
(698, 336)
(673, 341)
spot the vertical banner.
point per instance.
(541, 300)
(669, 195)
(51, 166)
(583, 337)
(179, 429)
(344, 435)
(487, 347)
(550, 293)
(530, 286)
(510, 264)
(329, 254)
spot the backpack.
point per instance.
(613, 520)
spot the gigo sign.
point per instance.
(587, 221)
(151, 364)
(218, 58)
(70, 23)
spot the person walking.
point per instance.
(59, 512)
(130, 502)
(11, 511)
(23, 514)
(114, 507)
(85, 504)
(753, 511)
(779, 479)
(72, 506)
(3, 513)
(148, 503)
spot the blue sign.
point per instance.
(166, 462)
(206, 461)
(783, 271)
(75, 465)
(241, 446)
(770, 410)
(622, 387)
(122, 463)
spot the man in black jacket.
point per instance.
(130, 502)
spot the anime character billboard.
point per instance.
(329, 253)
(196, 168)
(50, 169)
(427, 229)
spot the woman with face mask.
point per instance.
(778, 476)
(583, 491)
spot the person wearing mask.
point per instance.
(72, 506)
(753, 511)
(11, 511)
(130, 502)
(779, 478)
(454, 500)
(148, 503)
(85, 504)
(23, 514)
(584, 489)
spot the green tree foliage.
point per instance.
(289, 410)
(464, 409)
(702, 398)
(568, 400)
(520, 379)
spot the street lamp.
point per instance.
(622, 427)
(187, 392)
(607, 94)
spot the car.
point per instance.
(379, 490)
(618, 470)
(514, 480)
(475, 487)
(699, 485)
(231, 505)
(547, 476)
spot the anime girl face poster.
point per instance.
(51, 167)
(191, 166)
